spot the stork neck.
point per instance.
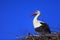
(36, 23)
(36, 17)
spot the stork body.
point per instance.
(40, 26)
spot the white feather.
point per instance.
(36, 23)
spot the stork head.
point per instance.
(36, 13)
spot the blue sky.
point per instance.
(15, 16)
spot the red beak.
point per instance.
(33, 14)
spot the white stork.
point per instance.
(40, 26)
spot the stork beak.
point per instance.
(33, 14)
